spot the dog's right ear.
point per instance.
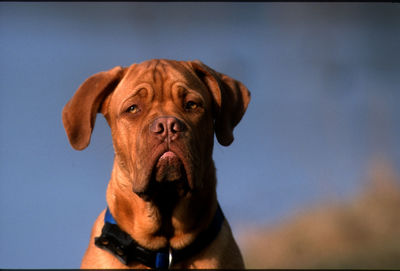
(231, 99)
(79, 114)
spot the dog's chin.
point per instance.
(168, 180)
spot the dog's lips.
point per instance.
(168, 176)
(169, 167)
(167, 155)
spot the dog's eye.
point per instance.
(190, 105)
(133, 109)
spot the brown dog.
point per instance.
(162, 204)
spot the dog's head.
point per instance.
(163, 115)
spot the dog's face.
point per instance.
(163, 115)
(162, 126)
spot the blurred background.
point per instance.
(312, 178)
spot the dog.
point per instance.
(162, 205)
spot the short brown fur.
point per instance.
(161, 92)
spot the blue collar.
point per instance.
(127, 250)
(108, 218)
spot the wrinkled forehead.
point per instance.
(161, 75)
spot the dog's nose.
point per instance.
(167, 127)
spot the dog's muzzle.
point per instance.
(169, 168)
(168, 180)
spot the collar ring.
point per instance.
(169, 257)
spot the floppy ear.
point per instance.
(230, 98)
(79, 114)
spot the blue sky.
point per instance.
(324, 80)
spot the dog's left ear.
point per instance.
(79, 114)
(231, 99)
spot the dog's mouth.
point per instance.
(168, 179)
(169, 168)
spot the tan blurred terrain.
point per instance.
(363, 232)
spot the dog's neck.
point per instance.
(154, 227)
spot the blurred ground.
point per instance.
(363, 232)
